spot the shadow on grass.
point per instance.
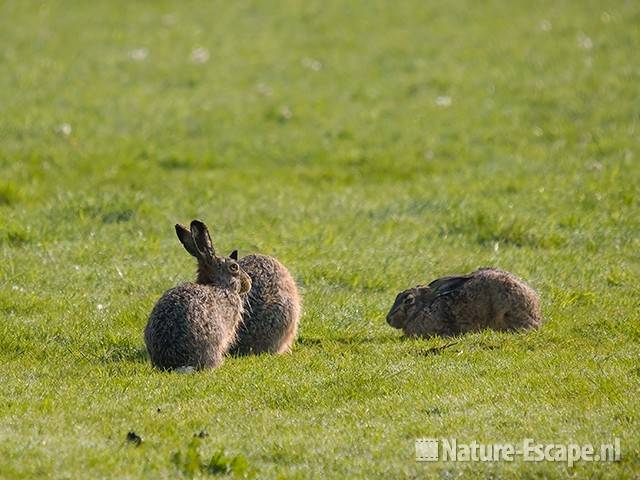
(471, 346)
(438, 350)
(317, 341)
(123, 353)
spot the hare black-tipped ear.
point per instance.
(202, 240)
(184, 235)
(447, 285)
(234, 255)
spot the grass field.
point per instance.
(370, 146)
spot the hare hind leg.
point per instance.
(520, 320)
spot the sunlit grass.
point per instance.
(368, 146)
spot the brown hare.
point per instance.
(487, 298)
(272, 308)
(193, 324)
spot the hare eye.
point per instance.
(234, 267)
(409, 300)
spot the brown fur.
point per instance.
(194, 324)
(487, 298)
(272, 308)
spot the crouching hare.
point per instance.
(487, 298)
(194, 324)
(272, 308)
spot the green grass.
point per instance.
(317, 132)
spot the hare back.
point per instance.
(192, 325)
(272, 307)
(495, 299)
(271, 281)
(271, 276)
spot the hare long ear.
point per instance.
(234, 255)
(446, 285)
(184, 235)
(202, 240)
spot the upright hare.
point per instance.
(194, 324)
(272, 308)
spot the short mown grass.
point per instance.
(368, 146)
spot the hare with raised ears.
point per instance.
(272, 308)
(194, 324)
(487, 298)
